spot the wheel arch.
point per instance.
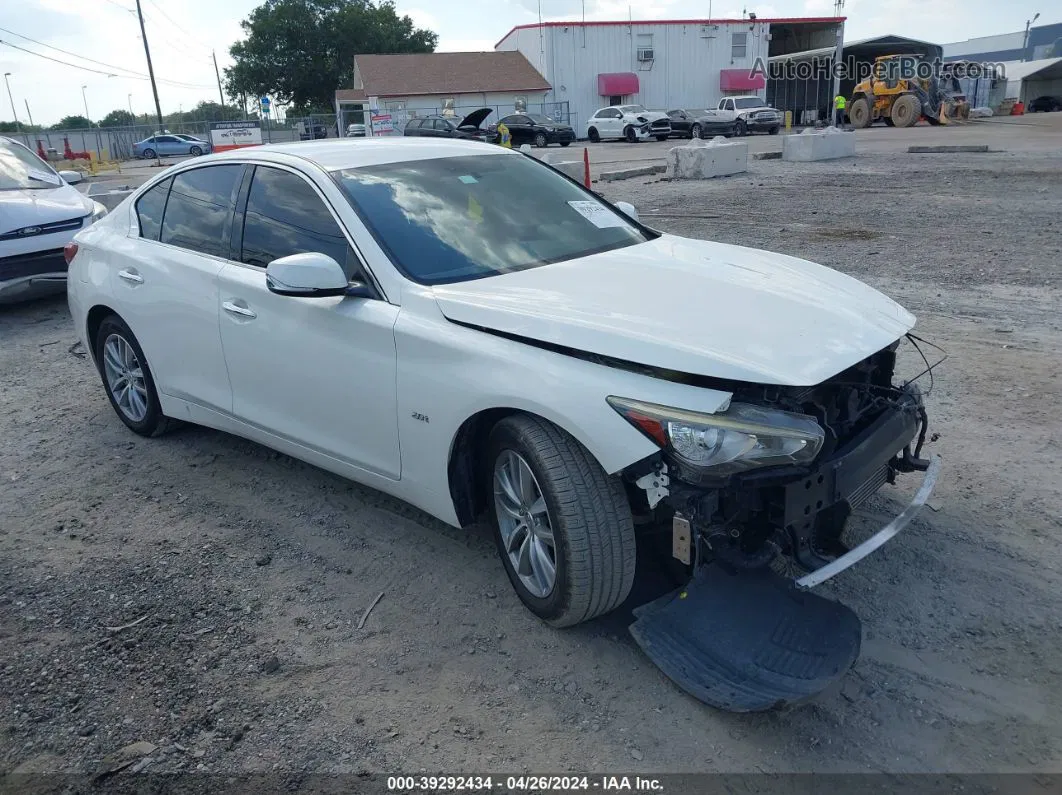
(93, 321)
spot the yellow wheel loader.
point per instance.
(898, 94)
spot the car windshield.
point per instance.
(749, 102)
(455, 219)
(632, 109)
(20, 169)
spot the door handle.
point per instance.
(131, 276)
(236, 309)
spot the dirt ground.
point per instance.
(238, 577)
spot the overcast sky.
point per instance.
(182, 34)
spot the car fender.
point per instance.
(449, 372)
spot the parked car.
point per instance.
(466, 329)
(355, 130)
(628, 122)
(190, 138)
(1045, 105)
(700, 124)
(438, 126)
(750, 114)
(169, 145)
(40, 212)
(536, 129)
(311, 130)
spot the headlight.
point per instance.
(98, 211)
(741, 437)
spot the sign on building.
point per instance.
(226, 135)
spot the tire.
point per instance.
(152, 422)
(593, 135)
(906, 111)
(773, 131)
(859, 114)
(662, 137)
(630, 134)
(149, 154)
(195, 151)
(741, 129)
(695, 132)
(594, 548)
(888, 122)
(540, 140)
(565, 143)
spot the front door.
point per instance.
(317, 371)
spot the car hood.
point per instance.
(476, 117)
(692, 306)
(649, 115)
(22, 208)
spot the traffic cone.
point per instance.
(586, 168)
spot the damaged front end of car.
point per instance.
(750, 493)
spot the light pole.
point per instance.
(1025, 41)
(129, 99)
(12, 100)
(85, 98)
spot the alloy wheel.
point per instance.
(125, 377)
(524, 524)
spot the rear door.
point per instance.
(317, 371)
(165, 280)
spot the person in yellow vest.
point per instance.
(504, 136)
(839, 104)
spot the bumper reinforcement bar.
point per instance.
(877, 540)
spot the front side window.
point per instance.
(199, 209)
(458, 218)
(285, 216)
(149, 209)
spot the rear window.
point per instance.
(460, 218)
(149, 209)
(199, 211)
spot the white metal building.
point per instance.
(688, 63)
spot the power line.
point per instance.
(188, 35)
(131, 74)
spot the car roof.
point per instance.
(334, 154)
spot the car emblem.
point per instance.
(31, 230)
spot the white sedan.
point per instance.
(393, 311)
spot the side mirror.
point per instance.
(71, 177)
(628, 210)
(310, 275)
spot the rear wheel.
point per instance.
(630, 135)
(859, 114)
(540, 140)
(695, 131)
(773, 131)
(662, 137)
(593, 135)
(149, 154)
(906, 111)
(127, 379)
(563, 527)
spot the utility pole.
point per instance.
(217, 74)
(12, 100)
(29, 112)
(151, 74)
(1025, 41)
(129, 99)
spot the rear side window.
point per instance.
(199, 211)
(149, 209)
(286, 216)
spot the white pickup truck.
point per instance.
(751, 113)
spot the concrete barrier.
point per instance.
(564, 162)
(110, 195)
(828, 144)
(628, 173)
(707, 159)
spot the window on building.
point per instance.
(738, 45)
(645, 47)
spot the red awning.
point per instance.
(741, 80)
(617, 84)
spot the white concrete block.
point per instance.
(812, 144)
(699, 159)
(573, 168)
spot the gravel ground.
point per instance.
(203, 594)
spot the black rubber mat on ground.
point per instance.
(749, 641)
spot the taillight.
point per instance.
(69, 252)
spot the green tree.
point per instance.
(73, 123)
(117, 118)
(11, 127)
(301, 51)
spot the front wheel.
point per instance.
(563, 527)
(695, 131)
(195, 151)
(740, 129)
(593, 135)
(540, 140)
(773, 131)
(127, 379)
(662, 137)
(630, 135)
(565, 143)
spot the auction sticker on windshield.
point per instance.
(598, 215)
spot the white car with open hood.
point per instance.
(393, 311)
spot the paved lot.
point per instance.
(251, 570)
